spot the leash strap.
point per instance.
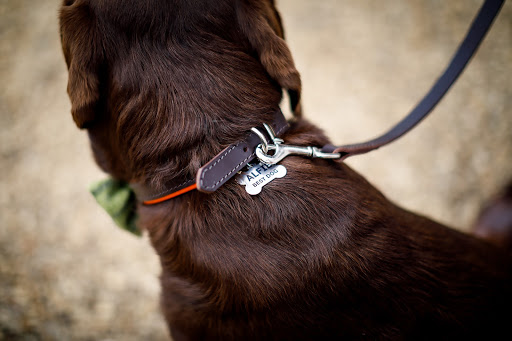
(467, 48)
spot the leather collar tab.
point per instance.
(218, 170)
(233, 158)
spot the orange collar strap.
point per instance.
(170, 195)
(148, 196)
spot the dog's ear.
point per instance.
(259, 21)
(83, 53)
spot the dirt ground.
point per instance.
(67, 273)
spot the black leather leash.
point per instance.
(466, 50)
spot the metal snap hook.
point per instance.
(281, 150)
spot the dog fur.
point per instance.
(161, 87)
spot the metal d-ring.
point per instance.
(272, 135)
(263, 138)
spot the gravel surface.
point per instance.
(67, 273)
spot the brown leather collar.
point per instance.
(217, 171)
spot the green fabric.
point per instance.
(118, 199)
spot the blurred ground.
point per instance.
(67, 273)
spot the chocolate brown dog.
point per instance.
(162, 86)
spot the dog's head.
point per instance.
(153, 80)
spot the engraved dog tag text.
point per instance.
(258, 176)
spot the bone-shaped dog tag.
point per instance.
(259, 175)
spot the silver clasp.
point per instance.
(273, 151)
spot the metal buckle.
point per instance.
(274, 150)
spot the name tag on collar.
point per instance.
(259, 175)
